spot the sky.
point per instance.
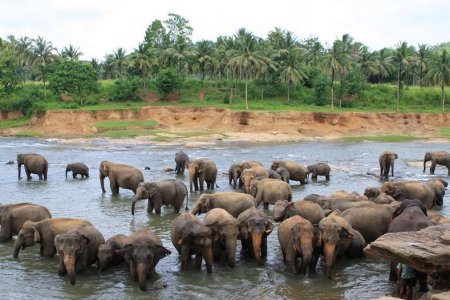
(99, 27)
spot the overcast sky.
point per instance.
(99, 27)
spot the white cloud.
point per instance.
(98, 27)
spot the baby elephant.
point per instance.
(142, 251)
(320, 169)
(181, 160)
(106, 255)
(78, 169)
(164, 192)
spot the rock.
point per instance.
(146, 168)
(168, 169)
(11, 162)
(427, 250)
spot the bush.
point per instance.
(321, 87)
(125, 89)
(168, 81)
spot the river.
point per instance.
(33, 277)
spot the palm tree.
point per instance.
(224, 50)
(144, 59)
(119, 60)
(205, 57)
(71, 53)
(404, 57)
(23, 55)
(423, 56)
(440, 73)
(108, 66)
(42, 51)
(336, 60)
(383, 63)
(179, 55)
(247, 59)
(367, 63)
(290, 70)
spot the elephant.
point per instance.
(374, 195)
(340, 203)
(120, 176)
(319, 169)
(235, 171)
(268, 191)
(283, 173)
(13, 216)
(202, 170)
(431, 192)
(44, 232)
(34, 164)
(190, 236)
(142, 251)
(311, 211)
(181, 159)
(164, 192)
(372, 221)
(437, 158)
(336, 236)
(77, 249)
(436, 218)
(248, 174)
(254, 229)
(299, 238)
(297, 171)
(274, 175)
(226, 228)
(356, 247)
(354, 196)
(411, 215)
(387, 159)
(107, 255)
(78, 168)
(234, 203)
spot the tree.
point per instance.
(71, 53)
(156, 36)
(73, 78)
(168, 81)
(205, 57)
(314, 51)
(119, 59)
(423, 56)
(383, 63)
(440, 73)
(178, 30)
(404, 56)
(144, 59)
(8, 77)
(178, 56)
(43, 54)
(23, 48)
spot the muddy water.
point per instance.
(32, 276)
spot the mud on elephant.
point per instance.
(120, 176)
(164, 192)
(33, 164)
(202, 170)
(142, 251)
(78, 169)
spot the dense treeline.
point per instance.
(279, 65)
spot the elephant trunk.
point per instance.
(207, 254)
(307, 252)
(330, 254)
(67, 170)
(16, 249)
(230, 246)
(135, 199)
(424, 164)
(141, 270)
(102, 182)
(69, 263)
(256, 242)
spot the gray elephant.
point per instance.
(356, 247)
(202, 170)
(235, 171)
(120, 176)
(78, 169)
(248, 175)
(319, 169)
(311, 211)
(297, 171)
(299, 239)
(77, 250)
(373, 194)
(142, 251)
(268, 191)
(107, 255)
(234, 203)
(254, 229)
(181, 160)
(273, 175)
(191, 237)
(13, 216)
(437, 158)
(283, 173)
(387, 159)
(225, 228)
(164, 192)
(44, 232)
(34, 164)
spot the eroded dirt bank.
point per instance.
(252, 126)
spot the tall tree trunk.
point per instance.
(246, 90)
(332, 90)
(43, 79)
(289, 90)
(443, 97)
(398, 88)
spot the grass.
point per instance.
(380, 138)
(445, 132)
(28, 133)
(13, 123)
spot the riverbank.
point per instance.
(186, 125)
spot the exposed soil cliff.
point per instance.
(245, 125)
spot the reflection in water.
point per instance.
(32, 276)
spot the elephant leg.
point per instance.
(264, 247)
(266, 205)
(74, 175)
(422, 278)
(314, 260)
(198, 261)
(433, 167)
(114, 187)
(185, 256)
(27, 171)
(151, 206)
(393, 271)
(327, 177)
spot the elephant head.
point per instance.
(257, 228)
(227, 232)
(281, 209)
(68, 168)
(71, 248)
(20, 162)
(235, 173)
(203, 204)
(428, 157)
(145, 190)
(276, 164)
(409, 203)
(28, 236)
(305, 238)
(104, 172)
(198, 236)
(105, 256)
(143, 256)
(372, 192)
(392, 189)
(196, 172)
(246, 177)
(284, 173)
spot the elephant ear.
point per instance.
(84, 239)
(161, 252)
(269, 227)
(317, 236)
(243, 231)
(124, 251)
(58, 241)
(345, 234)
(288, 208)
(37, 236)
(184, 237)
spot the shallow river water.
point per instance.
(33, 277)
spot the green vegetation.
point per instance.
(445, 132)
(13, 123)
(381, 138)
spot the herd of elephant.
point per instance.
(332, 226)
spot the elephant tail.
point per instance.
(187, 198)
